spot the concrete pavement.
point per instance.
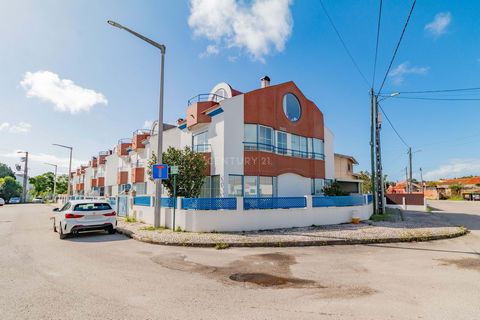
(113, 277)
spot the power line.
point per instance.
(343, 42)
(376, 46)
(440, 99)
(398, 45)
(435, 91)
(393, 127)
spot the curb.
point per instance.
(277, 244)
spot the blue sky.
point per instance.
(113, 87)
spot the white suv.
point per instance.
(84, 215)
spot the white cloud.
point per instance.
(148, 124)
(63, 93)
(210, 51)
(455, 168)
(41, 158)
(259, 27)
(21, 127)
(439, 24)
(398, 74)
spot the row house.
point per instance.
(271, 141)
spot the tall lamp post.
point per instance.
(54, 181)
(25, 176)
(158, 182)
(69, 165)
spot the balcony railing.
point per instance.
(257, 146)
(201, 148)
(205, 97)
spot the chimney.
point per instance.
(265, 81)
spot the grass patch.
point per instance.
(222, 246)
(130, 219)
(152, 228)
(456, 199)
(381, 217)
(178, 229)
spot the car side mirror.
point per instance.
(56, 209)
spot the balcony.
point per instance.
(122, 177)
(196, 113)
(94, 162)
(79, 186)
(138, 175)
(94, 182)
(102, 157)
(101, 182)
(124, 146)
(138, 137)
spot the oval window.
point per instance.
(291, 107)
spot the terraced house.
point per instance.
(271, 141)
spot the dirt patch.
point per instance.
(464, 263)
(270, 270)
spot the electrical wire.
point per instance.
(398, 45)
(376, 45)
(439, 99)
(343, 42)
(393, 127)
(436, 91)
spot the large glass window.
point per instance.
(250, 137)
(265, 186)
(235, 185)
(295, 140)
(140, 188)
(200, 142)
(250, 186)
(215, 193)
(318, 148)
(317, 186)
(281, 142)
(303, 147)
(291, 107)
(205, 190)
(265, 138)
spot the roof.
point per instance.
(471, 180)
(346, 157)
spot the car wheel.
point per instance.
(54, 226)
(112, 230)
(61, 234)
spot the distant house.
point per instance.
(401, 187)
(348, 181)
(470, 188)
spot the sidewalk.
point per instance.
(417, 226)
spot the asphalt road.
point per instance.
(104, 276)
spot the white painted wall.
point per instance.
(329, 154)
(292, 185)
(111, 169)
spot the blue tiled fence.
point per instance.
(370, 198)
(339, 201)
(274, 203)
(168, 202)
(142, 201)
(209, 203)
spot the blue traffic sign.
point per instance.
(160, 171)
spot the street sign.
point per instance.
(160, 171)
(174, 169)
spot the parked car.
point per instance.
(14, 200)
(38, 200)
(2, 202)
(84, 215)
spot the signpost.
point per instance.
(160, 171)
(174, 172)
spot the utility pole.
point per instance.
(410, 180)
(372, 148)
(407, 187)
(54, 181)
(25, 177)
(421, 178)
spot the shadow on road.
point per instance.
(421, 249)
(95, 237)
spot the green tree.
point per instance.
(334, 189)
(366, 181)
(5, 171)
(9, 187)
(42, 184)
(191, 171)
(456, 188)
(62, 184)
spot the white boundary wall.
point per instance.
(250, 220)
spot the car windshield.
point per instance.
(92, 207)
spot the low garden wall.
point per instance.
(249, 214)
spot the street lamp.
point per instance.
(25, 175)
(391, 95)
(54, 181)
(69, 165)
(158, 182)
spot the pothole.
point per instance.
(268, 280)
